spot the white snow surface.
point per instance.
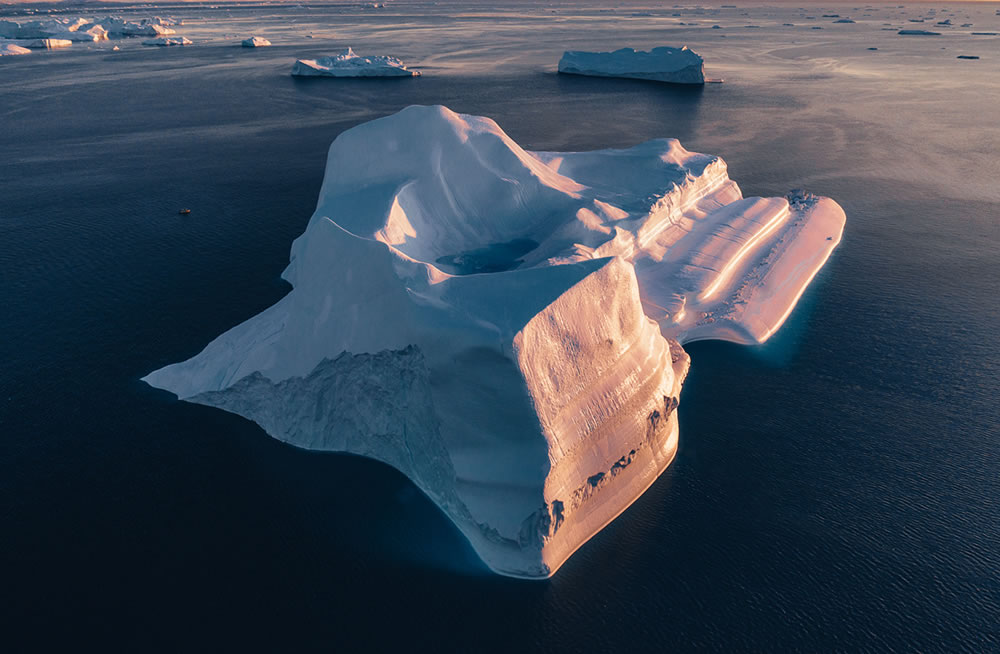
(665, 64)
(348, 64)
(505, 326)
(255, 42)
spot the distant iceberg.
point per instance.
(665, 64)
(155, 26)
(42, 44)
(62, 32)
(505, 326)
(348, 64)
(255, 42)
(12, 49)
(168, 41)
(39, 29)
(918, 33)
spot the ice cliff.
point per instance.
(505, 326)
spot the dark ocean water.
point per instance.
(835, 490)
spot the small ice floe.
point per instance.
(967, 57)
(348, 64)
(255, 42)
(918, 33)
(165, 41)
(844, 20)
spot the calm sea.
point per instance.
(835, 490)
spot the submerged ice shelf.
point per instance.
(505, 326)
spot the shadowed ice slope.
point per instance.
(504, 326)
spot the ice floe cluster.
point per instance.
(63, 32)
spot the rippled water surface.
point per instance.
(835, 490)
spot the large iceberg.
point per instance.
(505, 326)
(676, 65)
(348, 64)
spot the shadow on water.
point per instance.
(685, 96)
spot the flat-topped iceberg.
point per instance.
(42, 44)
(39, 29)
(255, 42)
(505, 326)
(348, 64)
(12, 49)
(676, 65)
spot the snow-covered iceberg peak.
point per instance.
(665, 64)
(348, 64)
(505, 326)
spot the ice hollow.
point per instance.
(505, 326)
